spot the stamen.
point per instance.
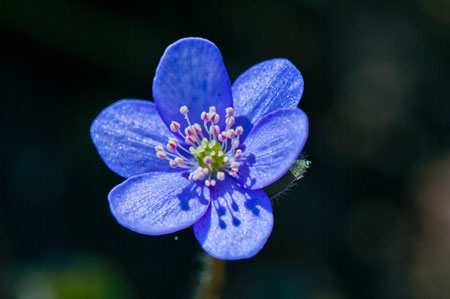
(210, 182)
(230, 122)
(180, 161)
(189, 131)
(171, 148)
(214, 118)
(230, 133)
(239, 130)
(222, 137)
(238, 154)
(215, 130)
(173, 141)
(229, 111)
(204, 116)
(184, 110)
(207, 158)
(161, 154)
(235, 165)
(198, 129)
(221, 175)
(189, 140)
(174, 126)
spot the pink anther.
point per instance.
(174, 126)
(238, 154)
(161, 154)
(221, 175)
(197, 128)
(207, 160)
(229, 111)
(239, 130)
(204, 116)
(230, 121)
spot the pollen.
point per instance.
(208, 153)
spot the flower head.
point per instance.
(202, 152)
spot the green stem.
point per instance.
(211, 278)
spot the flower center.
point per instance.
(211, 154)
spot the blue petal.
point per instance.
(272, 147)
(264, 88)
(158, 203)
(237, 223)
(191, 72)
(125, 135)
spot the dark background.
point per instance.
(371, 219)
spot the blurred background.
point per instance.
(371, 218)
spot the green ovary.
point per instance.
(209, 148)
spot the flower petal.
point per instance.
(191, 72)
(264, 88)
(237, 223)
(158, 203)
(125, 135)
(272, 147)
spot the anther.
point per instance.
(173, 141)
(161, 154)
(174, 126)
(215, 118)
(221, 175)
(229, 111)
(205, 149)
(207, 160)
(230, 133)
(184, 110)
(189, 131)
(180, 161)
(230, 121)
(197, 128)
(189, 140)
(215, 130)
(210, 182)
(238, 154)
(239, 130)
(170, 147)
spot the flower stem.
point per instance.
(211, 278)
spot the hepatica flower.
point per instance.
(202, 152)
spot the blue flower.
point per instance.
(202, 152)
